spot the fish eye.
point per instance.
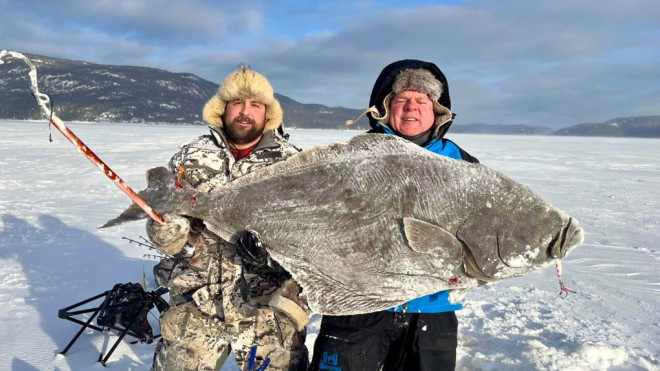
(544, 208)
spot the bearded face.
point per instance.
(244, 122)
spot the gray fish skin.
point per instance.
(378, 221)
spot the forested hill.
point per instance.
(83, 91)
(641, 126)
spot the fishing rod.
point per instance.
(43, 100)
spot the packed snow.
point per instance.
(52, 253)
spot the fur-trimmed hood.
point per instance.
(244, 83)
(384, 88)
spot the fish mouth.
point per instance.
(570, 236)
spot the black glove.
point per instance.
(250, 248)
(257, 260)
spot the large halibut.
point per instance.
(378, 221)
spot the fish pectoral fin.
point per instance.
(425, 237)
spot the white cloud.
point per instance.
(507, 61)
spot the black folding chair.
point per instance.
(123, 309)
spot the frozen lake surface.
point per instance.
(52, 254)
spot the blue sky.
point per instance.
(552, 63)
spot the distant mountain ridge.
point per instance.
(500, 129)
(640, 126)
(318, 116)
(83, 91)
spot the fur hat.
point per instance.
(418, 79)
(244, 83)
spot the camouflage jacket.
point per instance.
(209, 164)
(207, 270)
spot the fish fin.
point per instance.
(457, 295)
(425, 237)
(131, 214)
(159, 177)
(360, 146)
(327, 295)
(160, 195)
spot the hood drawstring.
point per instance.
(374, 113)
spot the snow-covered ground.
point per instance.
(52, 254)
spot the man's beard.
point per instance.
(241, 135)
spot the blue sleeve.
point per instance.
(432, 303)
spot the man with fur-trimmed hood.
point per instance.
(410, 99)
(220, 302)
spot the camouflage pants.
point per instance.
(195, 341)
(191, 340)
(199, 330)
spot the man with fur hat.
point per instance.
(410, 99)
(219, 303)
